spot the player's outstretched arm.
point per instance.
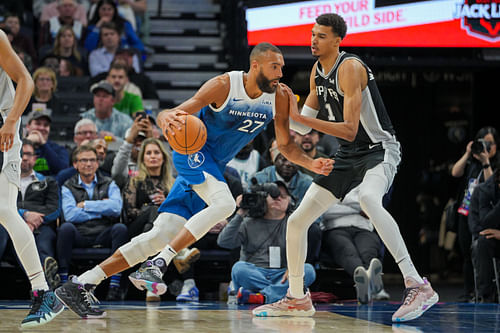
(15, 69)
(285, 99)
(213, 92)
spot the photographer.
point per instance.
(261, 275)
(477, 164)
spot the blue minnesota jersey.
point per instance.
(236, 122)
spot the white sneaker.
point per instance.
(375, 275)
(189, 293)
(381, 296)
(362, 284)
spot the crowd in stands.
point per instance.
(103, 185)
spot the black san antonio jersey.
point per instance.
(374, 123)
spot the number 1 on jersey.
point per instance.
(331, 117)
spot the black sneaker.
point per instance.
(79, 299)
(50, 268)
(44, 307)
(149, 276)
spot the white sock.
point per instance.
(38, 281)
(93, 276)
(167, 254)
(189, 283)
(408, 270)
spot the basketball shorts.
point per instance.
(181, 199)
(10, 160)
(351, 166)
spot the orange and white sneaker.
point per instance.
(287, 306)
(418, 298)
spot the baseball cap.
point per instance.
(102, 85)
(281, 183)
(37, 114)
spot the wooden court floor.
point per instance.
(220, 318)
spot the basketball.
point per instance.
(190, 138)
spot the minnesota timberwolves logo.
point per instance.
(480, 18)
(195, 160)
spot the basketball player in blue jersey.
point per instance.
(235, 107)
(344, 102)
(12, 104)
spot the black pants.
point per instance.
(486, 250)
(351, 247)
(313, 243)
(465, 242)
(143, 222)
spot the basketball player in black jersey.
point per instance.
(344, 102)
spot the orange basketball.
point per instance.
(190, 138)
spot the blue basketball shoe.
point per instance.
(45, 307)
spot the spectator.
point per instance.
(473, 168)
(91, 205)
(247, 162)
(38, 205)
(46, 9)
(52, 157)
(261, 274)
(43, 96)
(125, 102)
(21, 41)
(100, 59)
(66, 69)
(106, 11)
(128, 57)
(125, 162)
(484, 224)
(350, 240)
(109, 121)
(297, 184)
(66, 47)
(308, 142)
(65, 16)
(51, 61)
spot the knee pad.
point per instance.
(165, 228)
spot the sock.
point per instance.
(38, 281)
(257, 298)
(189, 283)
(408, 270)
(167, 254)
(115, 280)
(93, 276)
(297, 286)
(64, 277)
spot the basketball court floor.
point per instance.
(220, 318)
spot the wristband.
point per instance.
(486, 166)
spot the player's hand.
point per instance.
(322, 166)
(7, 133)
(169, 120)
(285, 277)
(491, 233)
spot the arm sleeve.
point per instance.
(300, 128)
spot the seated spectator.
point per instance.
(66, 69)
(308, 142)
(66, 47)
(65, 17)
(91, 205)
(38, 204)
(484, 224)
(23, 42)
(51, 61)
(106, 11)
(50, 9)
(52, 157)
(297, 184)
(351, 242)
(100, 58)
(125, 163)
(261, 274)
(43, 95)
(129, 58)
(247, 162)
(125, 102)
(109, 121)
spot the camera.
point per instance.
(255, 199)
(480, 145)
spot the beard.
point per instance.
(264, 84)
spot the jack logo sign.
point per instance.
(480, 18)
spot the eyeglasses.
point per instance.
(87, 160)
(86, 133)
(28, 154)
